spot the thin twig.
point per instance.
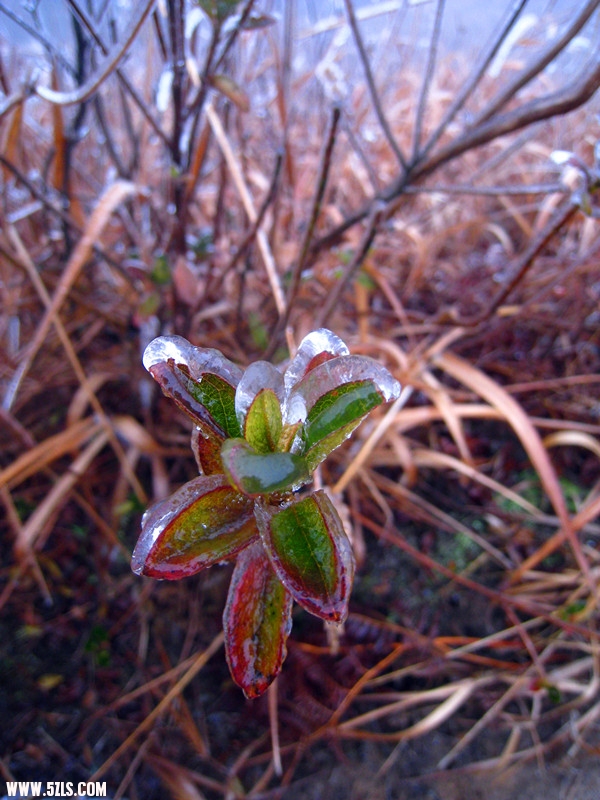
(324, 168)
(544, 189)
(372, 88)
(251, 235)
(475, 76)
(427, 78)
(263, 244)
(238, 27)
(31, 31)
(87, 89)
(560, 218)
(63, 215)
(539, 65)
(376, 218)
(566, 99)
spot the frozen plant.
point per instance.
(258, 437)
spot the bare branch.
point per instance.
(371, 84)
(475, 77)
(540, 64)
(426, 85)
(95, 81)
(54, 52)
(551, 105)
(305, 246)
(132, 91)
(377, 216)
(562, 101)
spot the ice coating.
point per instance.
(315, 343)
(158, 516)
(259, 375)
(338, 371)
(294, 410)
(197, 359)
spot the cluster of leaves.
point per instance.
(258, 437)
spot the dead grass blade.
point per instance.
(532, 443)
(52, 448)
(112, 197)
(12, 138)
(176, 779)
(38, 524)
(198, 663)
(238, 178)
(452, 696)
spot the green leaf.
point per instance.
(263, 424)
(335, 393)
(203, 523)
(218, 10)
(335, 415)
(256, 473)
(200, 380)
(310, 553)
(218, 398)
(161, 271)
(257, 622)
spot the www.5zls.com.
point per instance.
(55, 789)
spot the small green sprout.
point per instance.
(258, 437)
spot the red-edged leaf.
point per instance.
(316, 348)
(255, 473)
(204, 522)
(207, 452)
(200, 380)
(310, 553)
(337, 395)
(257, 622)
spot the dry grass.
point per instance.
(474, 507)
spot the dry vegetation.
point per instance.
(471, 271)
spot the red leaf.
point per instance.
(257, 622)
(205, 522)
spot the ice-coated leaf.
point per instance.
(218, 397)
(204, 522)
(337, 395)
(310, 553)
(334, 416)
(319, 346)
(263, 424)
(200, 380)
(197, 359)
(346, 369)
(256, 473)
(259, 376)
(257, 622)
